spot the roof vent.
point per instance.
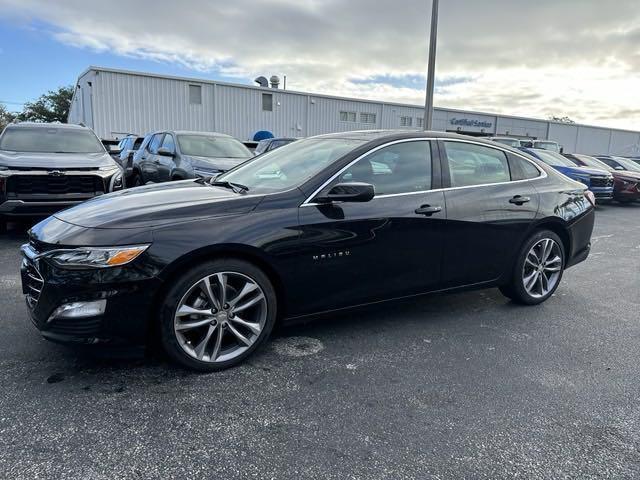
(275, 81)
(262, 81)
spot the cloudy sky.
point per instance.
(579, 58)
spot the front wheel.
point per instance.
(538, 269)
(217, 314)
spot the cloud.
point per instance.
(579, 58)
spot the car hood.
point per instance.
(214, 163)
(626, 174)
(592, 171)
(571, 171)
(158, 204)
(52, 161)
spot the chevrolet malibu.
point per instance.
(323, 224)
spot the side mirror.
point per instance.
(348, 192)
(114, 150)
(165, 152)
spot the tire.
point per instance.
(527, 283)
(136, 181)
(215, 338)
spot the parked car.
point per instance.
(619, 163)
(251, 145)
(179, 155)
(215, 264)
(45, 167)
(599, 181)
(626, 186)
(127, 148)
(512, 142)
(272, 143)
(547, 145)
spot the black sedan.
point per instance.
(322, 224)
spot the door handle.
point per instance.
(519, 200)
(428, 210)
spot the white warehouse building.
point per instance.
(118, 102)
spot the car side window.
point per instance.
(612, 163)
(471, 164)
(155, 142)
(169, 143)
(400, 168)
(521, 169)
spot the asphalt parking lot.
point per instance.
(447, 386)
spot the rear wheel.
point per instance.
(538, 269)
(218, 314)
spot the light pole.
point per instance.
(431, 70)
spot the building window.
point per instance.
(368, 118)
(195, 94)
(420, 122)
(347, 116)
(406, 121)
(267, 102)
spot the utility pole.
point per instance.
(431, 70)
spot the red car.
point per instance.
(626, 183)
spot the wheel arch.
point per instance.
(560, 228)
(236, 251)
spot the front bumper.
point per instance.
(129, 292)
(602, 193)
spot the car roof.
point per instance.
(190, 132)
(371, 135)
(66, 126)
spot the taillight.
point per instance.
(590, 196)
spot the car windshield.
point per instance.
(50, 140)
(552, 146)
(212, 146)
(595, 163)
(289, 166)
(552, 158)
(628, 164)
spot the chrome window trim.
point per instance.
(542, 175)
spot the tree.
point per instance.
(6, 117)
(53, 106)
(561, 119)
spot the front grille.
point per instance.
(602, 181)
(81, 327)
(52, 185)
(33, 282)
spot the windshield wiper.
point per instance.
(236, 187)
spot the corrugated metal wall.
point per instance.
(117, 102)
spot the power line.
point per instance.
(12, 103)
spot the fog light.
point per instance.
(79, 310)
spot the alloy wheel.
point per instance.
(220, 317)
(542, 268)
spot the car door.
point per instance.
(388, 247)
(491, 201)
(150, 161)
(166, 164)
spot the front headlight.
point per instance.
(116, 182)
(585, 180)
(94, 257)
